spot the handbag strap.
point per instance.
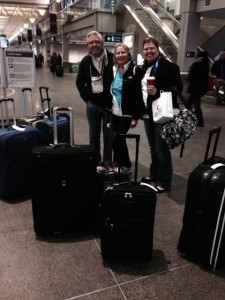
(181, 96)
(187, 105)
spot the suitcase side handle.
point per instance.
(214, 131)
(137, 138)
(6, 100)
(69, 110)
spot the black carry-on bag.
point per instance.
(127, 217)
(16, 145)
(59, 71)
(65, 186)
(202, 236)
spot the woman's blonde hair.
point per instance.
(126, 48)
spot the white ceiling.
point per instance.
(13, 16)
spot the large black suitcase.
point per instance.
(15, 154)
(202, 236)
(127, 218)
(65, 186)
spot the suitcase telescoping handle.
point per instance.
(45, 99)
(137, 138)
(215, 131)
(6, 100)
(26, 89)
(68, 110)
(42, 89)
(25, 92)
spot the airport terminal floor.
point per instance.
(66, 268)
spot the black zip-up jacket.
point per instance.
(132, 103)
(167, 75)
(83, 81)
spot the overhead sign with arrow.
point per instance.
(113, 38)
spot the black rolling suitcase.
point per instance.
(65, 186)
(16, 145)
(59, 71)
(127, 218)
(202, 236)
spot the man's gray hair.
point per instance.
(96, 33)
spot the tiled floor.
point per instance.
(64, 268)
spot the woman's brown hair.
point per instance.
(151, 40)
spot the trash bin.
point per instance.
(73, 68)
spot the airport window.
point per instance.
(207, 2)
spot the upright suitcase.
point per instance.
(46, 125)
(202, 236)
(59, 71)
(127, 218)
(15, 153)
(65, 186)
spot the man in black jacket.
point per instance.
(218, 67)
(93, 82)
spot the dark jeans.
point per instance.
(121, 125)
(161, 168)
(98, 119)
(153, 168)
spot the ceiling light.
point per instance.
(32, 19)
(25, 25)
(58, 1)
(41, 11)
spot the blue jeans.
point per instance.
(98, 119)
(161, 168)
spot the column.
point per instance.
(189, 35)
(65, 51)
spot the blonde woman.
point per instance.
(127, 106)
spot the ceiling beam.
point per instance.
(30, 2)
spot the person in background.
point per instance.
(59, 59)
(218, 67)
(127, 105)
(198, 83)
(53, 62)
(93, 82)
(167, 75)
(40, 59)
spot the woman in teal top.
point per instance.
(127, 106)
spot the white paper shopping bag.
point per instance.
(162, 108)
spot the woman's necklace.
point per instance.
(121, 69)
